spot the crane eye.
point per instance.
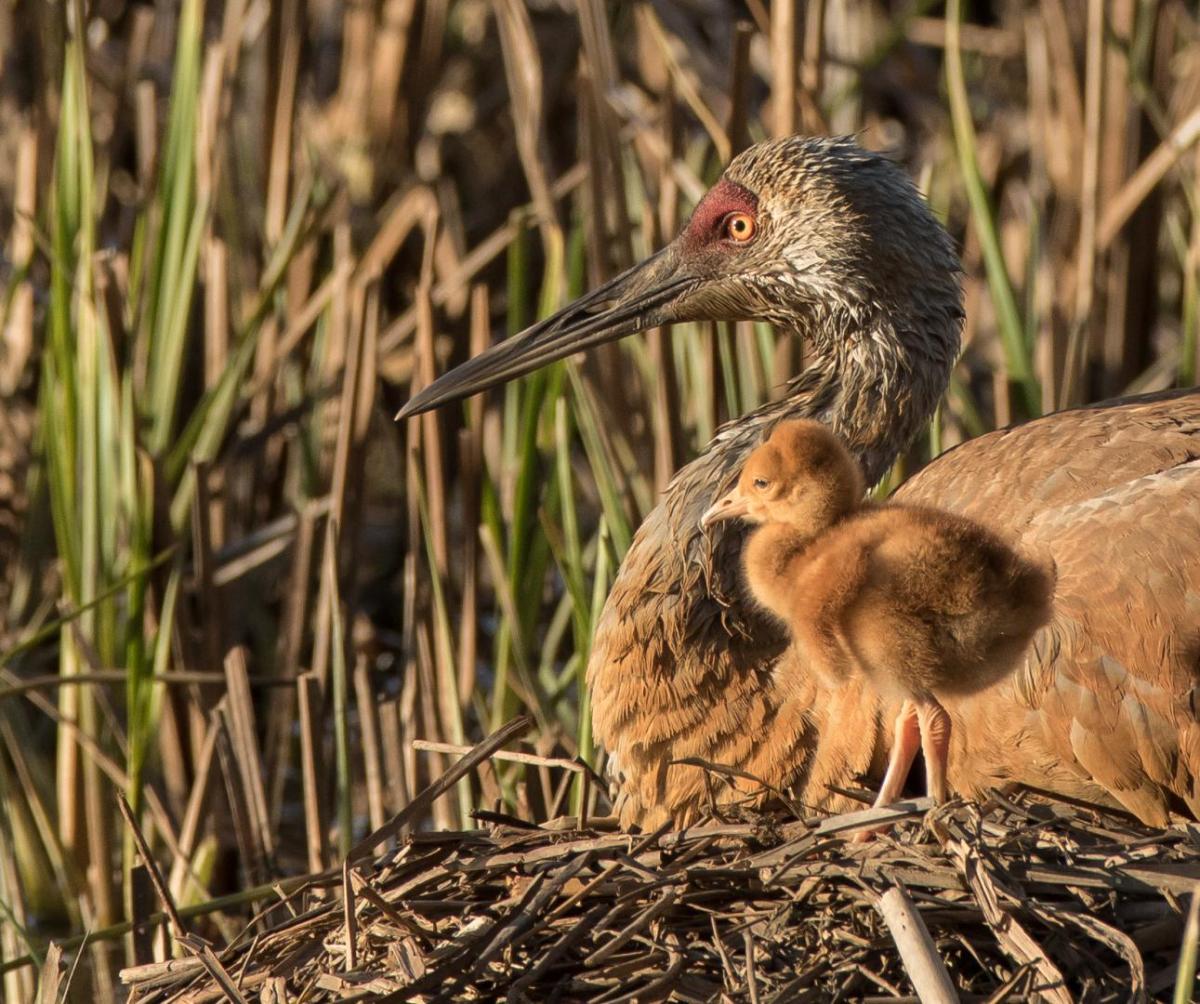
(740, 227)
(761, 483)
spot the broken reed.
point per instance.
(219, 323)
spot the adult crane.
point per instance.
(834, 245)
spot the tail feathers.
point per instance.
(996, 632)
(1031, 596)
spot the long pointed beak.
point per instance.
(644, 296)
(732, 506)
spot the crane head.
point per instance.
(811, 234)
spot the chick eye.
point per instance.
(740, 227)
(761, 483)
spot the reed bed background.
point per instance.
(239, 234)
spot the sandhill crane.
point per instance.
(921, 602)
(834, 245)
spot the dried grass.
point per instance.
(1025, 897)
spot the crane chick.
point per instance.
(921, 602)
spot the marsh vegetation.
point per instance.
(239, 234)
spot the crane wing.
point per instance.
(1107, 702)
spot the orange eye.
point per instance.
(740, 227)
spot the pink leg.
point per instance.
(906, 740)
(935, 744)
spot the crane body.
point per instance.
(833, 245)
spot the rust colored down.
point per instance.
(922, 603)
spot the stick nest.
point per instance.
(1025, 897)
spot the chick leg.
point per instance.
(906, 740)
(935, 744)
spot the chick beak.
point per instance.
(732, 506)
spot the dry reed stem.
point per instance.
(784, 65)
(196, 946)
(243, 736)
(1148, 175)
(17, 334)
(917, 951)
(308, 692)
(183, 882)
(1085, 277)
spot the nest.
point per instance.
(1025, 897)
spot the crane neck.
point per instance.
(876, 382)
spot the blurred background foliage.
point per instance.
(237, 234)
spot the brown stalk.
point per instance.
(50, 981)
(431, 447)
(303, 319)
(281, 714)
(146, 132)
(244, 740)
(993, 42)
(1143, 181)
(208, 134)
(346, 470)
(523, 71)
(98, 827)
(216, 309)
(192, 943)
(415, 208)
(238, 800)
(408, 724)
(388, 115)
(740, 76)
(1062, 53)
(684, 82)
(183, 880)
(368, 723)
(812, 67)
(429, 57)
(211, 616)
(349, 116)
(394, 771)
(17, 333)
(470, 453)
(668, 432)
(1043, 170)
(364, 409)
(784, 64)
(533, 759)
(603, 77)
(1085, 278)
(1123, 302)
(10, 887)
(428, 695)
(429, 796)
(312, 770)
